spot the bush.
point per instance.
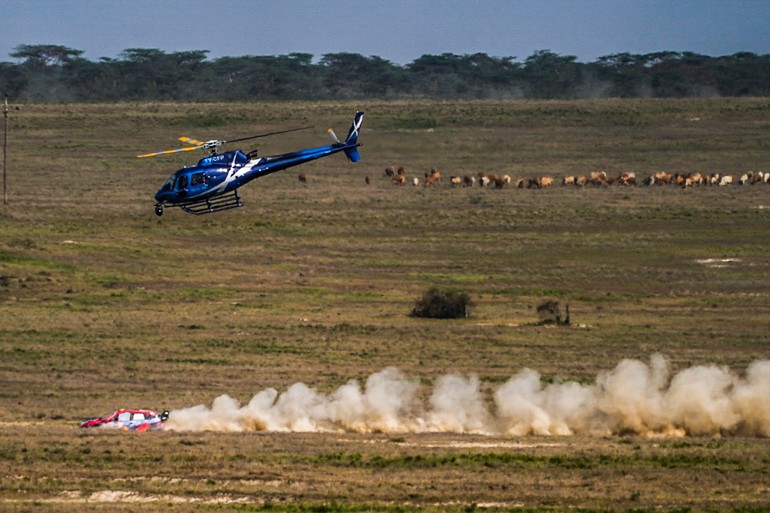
(442, 304)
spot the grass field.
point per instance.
(104, 305)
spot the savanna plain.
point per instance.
(104, 305)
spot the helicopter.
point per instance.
(212, 184)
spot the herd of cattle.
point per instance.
(595, 178)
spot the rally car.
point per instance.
(127, 419)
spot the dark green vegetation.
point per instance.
(104, 305)
(442, 304)
(55, 73)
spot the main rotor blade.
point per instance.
(214, 143)
(265, 135)
(194, 142)
(166, 152)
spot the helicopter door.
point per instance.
(181, 186)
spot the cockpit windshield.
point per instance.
(168, 185)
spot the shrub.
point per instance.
(550, 313)
(442, 304)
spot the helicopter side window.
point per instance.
(181, 182)
(197, 179)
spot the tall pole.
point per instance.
(5, 153)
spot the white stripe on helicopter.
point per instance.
(232, 175)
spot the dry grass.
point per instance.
(55, 470)
(104, 305)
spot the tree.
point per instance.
(153, 74)
(352, 75)
(466, 76)
(44, 56)
(551, 75)
(742, 74)
(627, 73)
(59, 73)
(676, 74)
(12, 80)
(42, 68)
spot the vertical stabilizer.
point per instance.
(352, 138)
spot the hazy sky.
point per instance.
(396, 30)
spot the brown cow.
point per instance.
(502, 181)
(627, 178)
(664, 177)
(689, 179)
(598, 177)
(432, 178)
(544, 181)
(661, 177)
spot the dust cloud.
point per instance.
(633, 398)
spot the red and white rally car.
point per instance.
(128, 419)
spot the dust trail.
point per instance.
(634, 397)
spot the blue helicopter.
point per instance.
(212, 185)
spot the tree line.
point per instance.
(54, 73)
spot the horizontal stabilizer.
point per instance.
(353, 154)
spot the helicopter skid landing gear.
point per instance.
(158, 209)
(215, 204)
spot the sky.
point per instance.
(399, 31)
